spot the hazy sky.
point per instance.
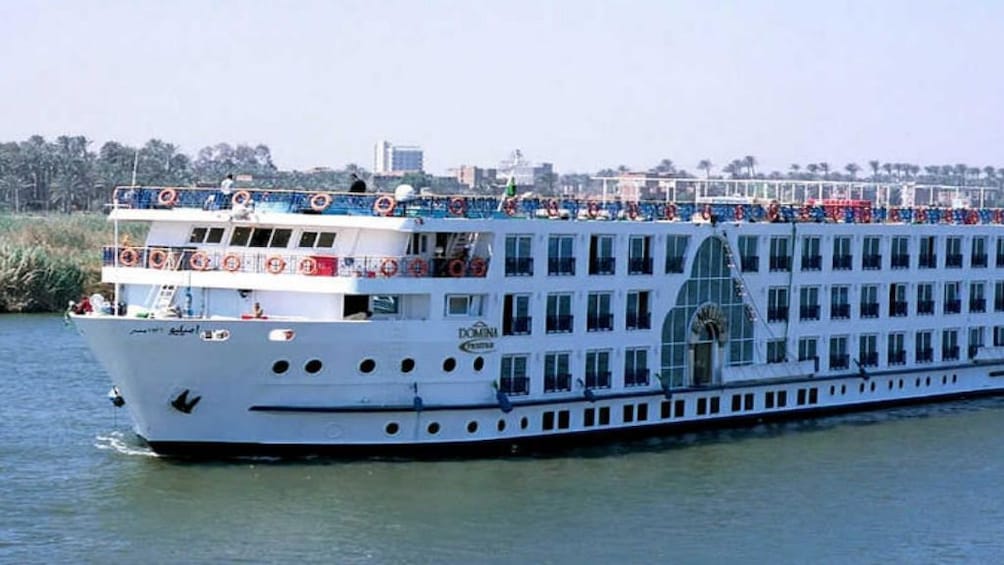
(585, 85)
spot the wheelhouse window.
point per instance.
(597, 369)
(640, 255)
(811, 259)
(516, 318)
(557, 376)
(676, 252)
(512, 377)
(638, 316)
(260, 237)
(518, 257)
(319, 240)
(560, 255)
(601, 255)
(598, 315)
(635, 367)
(206, 235)
(748, 257)
(780, 256)
(464, 305)
(559, 313)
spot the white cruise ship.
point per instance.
(284, 322)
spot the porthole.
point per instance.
(313, 366)
(391, 428)
(955, 378)
(433, 428)
(449, 364)
(890, 384)
(832, 390)
(944, 380)
(843, 389)
(501, 425)
(407, 365)
(873, 386)
(927, 381)
(479, 363)
(280, 366)
(861, 387)
(367, 365)
(901, 383)
(916, 383)
(523, 423)
(472, 427)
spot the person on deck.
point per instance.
(358, 184)
(226, 187)
(258, 312)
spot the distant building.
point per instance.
(474, 177)
(539, 177)
(392, 159)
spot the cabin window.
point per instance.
(561, 255)
(636, 366)
(896, 353)
(953, 298)
(868, 350)
(512, 378)
(518, 255)
(557, 375)
(928, 255)
(777, 304)
(807, 350)
(811, 259)
(516, 318)
(871, 257)
(597, 369)
(808, 303)
(418, 244)
(975, 341)
(748, 256)
(598, 315)
(838, 353)
(240, 237)
(676, 252)
(559, 313)
(780, 256)
(776, 351)
(840, 308)
(978, 257)
(464, 304)
(900, 252)
(316, 239)
(924, 351)
(638, 315)
(949, 345)
(601, 255)
(977, 297)
(639, 255)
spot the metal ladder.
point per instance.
(459, 242)
(165, 296)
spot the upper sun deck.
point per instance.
(748, 201)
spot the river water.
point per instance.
(912, 485)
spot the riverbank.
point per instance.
(48, 260)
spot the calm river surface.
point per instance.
(915, 485)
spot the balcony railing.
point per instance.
(519, 266)
(777, 314)
(897, 357)
(640, 266)
(637, 377)
(950, 353)
(973, 350)
(978, 260)
(809, 263)
(598, 379)
(839, 361)
(561, 266)
(515, 385)
(520, 325)
(871, 262)
(925, 307)
(925, 355)
(749, 263)
(602, 265)
(239, 260)
(977, 305)
(869, 359)
(869, 310)
(843, 262)
(928, 261)
(953, 260)
(953, 306)
(998, 305)
(901, 261)
(559, 324)
(600, 322)
(898, 308)
(840, 311)
(557, 383)
(674, 264)
(780, 263)
(810, 312)
(639, 320)
(999, 262)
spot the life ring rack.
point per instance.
(231, 262)
(199, 261)
(129, 256)
(275, 264)
(456, 268)
(388, 267)
(157, 259)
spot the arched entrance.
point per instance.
(709, 332)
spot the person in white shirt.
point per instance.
(226, 187)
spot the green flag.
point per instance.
(510, 187)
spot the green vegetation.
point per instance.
(46, 261)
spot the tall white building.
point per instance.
(390, 158)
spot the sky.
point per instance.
(582, 84)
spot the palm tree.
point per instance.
(875, 169)
(825, 169)
(750, 162)
(705, 165)
(795, 168)
(960, 171)
(887, 167)
(852, 169)
(991, 173)
(664, 166)
(813, 169)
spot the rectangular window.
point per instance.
(513, 378)
(561, 255)
(953, 252)
(925, 298)
(604, 415)
(896, 353)
(702, 406)
(642, 412)
(601, 255)
(198, 235)
(811, 259)
(386, 304)
(777, 304)
(950, 345)
(548, 421)
(953, 298)
(559, 313)
(679, 407)
(871, 256)
(640, 255)
(749, 259)
(518, 255)
(597, 369)
(868, 350)
(839, 359)
(557, 375)
(628, 413)
(780, 257)
(589, 417)
(978, 256)
(928, 253)
(260, 237)
(999, 296)
(807, 350)
(240, 237)
(975, 341)
(716, 405)
(977, 297)
(842, 258)
(563, 419)
(998, 336)
(808, 308)
(768, 399)
(840, 307)
(215, 235)
(665, 409)
(635, 366)
(418, 244)
(782, 398)
(516, 318)
(900, 252)
(598, 315)
(748, 401)
(924, 351)
(737, 402)
(676, 252)
(869, 301)
(464, 305)
(280, 238)
(325, 239)
(638, 316)
(776, 351)
(898, 305)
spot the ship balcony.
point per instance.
(777, 314)
(561, 382)
(597, 379)
(869, 359)
(950, 353)
(928, 261)
(519, 266)
(518, 325)
(561, 266)
(839, 361)
(559, 324)
(978, 260)
(600, 323)
(780, 263)
(637, 377)
(897, 357)
(168, 259)
(843, 262)
(602, 265)
(675, 265)
(639, 321)
(750, 264)
(840, 311)
(925, 307)
(871, 262)
(977, 305)
(953, 260)
(808, 313)
(925, 355)
(953, 306)
(900, 308)
(869, 309)
(809, 263)
(640, 266)
(973, 350)
(999, 305)
(515, 385)
(999, 262)
(901, 261)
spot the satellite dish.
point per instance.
(404, 193)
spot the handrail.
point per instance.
(278, 263)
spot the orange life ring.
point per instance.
(552, 208)
(275, 264)
(167, 197)
(670, 213)
(129, 256)
(866, 215)
(803, 214)
(478, 267)
(772, 212)
(388, 267)
(308, 266)
(706, 212)
(509, 206)
(948, 216)
(320, 201)
(157, 259)
(240, 198)
(457, 206)
(921, 215)
(384, 205)
(417, 267)
(972, 217)
(457, 267)
(894, 214)
(738, 213)
(199, 261)
(231, 262)
(592, 209)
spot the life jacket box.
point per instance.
(326, 266)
